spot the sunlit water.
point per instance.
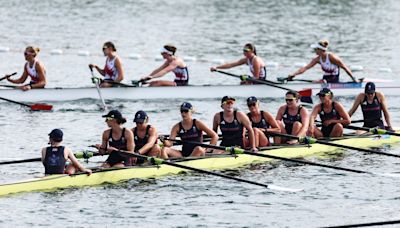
(363, 33)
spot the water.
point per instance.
(363, 33)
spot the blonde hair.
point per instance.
(32, 49)
(324, 43)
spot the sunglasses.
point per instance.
(104, 48)
(251, 105)
(229, 102)
(28, 53)
(290, 99)
(109, 118)
(370, 93)
(184, 111)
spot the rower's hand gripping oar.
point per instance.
(84, 154)
(286, 79)
(33, 107)
(7, 76)
(96, 82)
(159, 161)
(305, 95)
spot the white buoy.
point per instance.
(217, 61)
(56, 52)
(83, 53)
(158, 58)
(385, 70)
(356, 68)
(189, 58)
(271, 65)
(4, 49)
(300, 64)
(134, 56)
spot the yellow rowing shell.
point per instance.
(210, 163)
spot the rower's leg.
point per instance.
(155, 151)
(105, 85)
(119, 165)
(256, 136)
(337, 130)
(70, 169)
(172, 152)
(296, 128)
(162, 83)
(280, 140)
(261, 138)
(317, 133)
(198, 152)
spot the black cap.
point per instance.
(324, 91)
(186, 106)
(115, 114)
(140, 117)
(56, 134)
(252, 100)
(370, 87)
(227, 98)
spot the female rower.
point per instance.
(372, 104)
(112, 71)
(330, 64)
(172, 63)
(56, 156)
(114, 139)
(292, 118)
(188, 129)
(145, 137)
(256, 64)
(332, 115)
(261, 121)
(34, 69)
(232, 124)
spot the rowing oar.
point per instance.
(311, 140)
(235, 150)
(374, 130)
(83, 154)
(137, 83)
(33, 107)
(7, 76)
(96, 82)
(285, 79)
(159, 161)
(305, 95)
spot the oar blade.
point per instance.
(41, 107)
(305, 96)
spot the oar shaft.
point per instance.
(21, 161)
(15, 102)
(372, 130)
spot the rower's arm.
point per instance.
(305, 119)
(21, 79)
(75, 161)
(279, 114)
(104, 142)
(272, 122)
(342, 112)
(118, 65)
(101, 71)
(150, 142)
(247, 124)
(174, 133)
(216, 121)
(43, 154)
(385, 109)
(165, 70)
(214, 136)
(130, 143)
(230, 65)
(156, 71)
(314, 115)
(356, 103)
(305, 68)
(336, 60)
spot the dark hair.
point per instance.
(110, 44)
(251, 47)
(324, 43)
(121, 121)
(294, 93)
(170, 48)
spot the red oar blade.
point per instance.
(41, 107)
(305, 95)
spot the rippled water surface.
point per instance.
(363, 33)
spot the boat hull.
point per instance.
(210, 163)
(187, 92)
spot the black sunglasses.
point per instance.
(184, 110)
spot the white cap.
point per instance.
(319, 46)
(164, 50)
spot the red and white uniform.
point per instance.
(111, 72)
(263, 70)
(328, 67)
(32, 72)
(181, 76)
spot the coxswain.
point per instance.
(332, 115)
(112, 71)
(56, 157)
(330, 64)
(372, 103)
(262, 122)
(292, 118)
(232, 123)
(34, 69)
(191, 130)
(255, 63)
(145, 137)
(172, 64)
(114, 139)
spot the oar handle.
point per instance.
(7, 76)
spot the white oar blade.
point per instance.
(284, 189)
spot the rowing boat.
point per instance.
(187, 92)
(214, 162)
